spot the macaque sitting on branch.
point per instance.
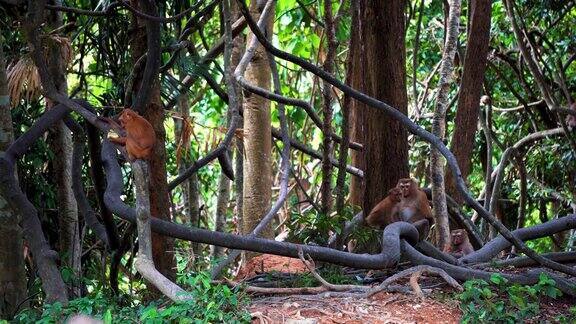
(140, 136)
(415, 207)
(460, 244)
(406, 202)
(386, 212)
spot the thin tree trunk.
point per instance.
(439, 127)
(190, 190)
(162, 246)
(346, 107)
(357, 109)
(62, 148)
(466, 120)
(332, 44)
(220, 216)
(12, 272)
(385, 139)
(237, 51)
(257, 141)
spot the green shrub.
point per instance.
(208, 303)
(498, 301)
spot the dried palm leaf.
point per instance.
(23, 81)
(184, 140)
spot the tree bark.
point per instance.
(12, 272)
(331, 44)
(190, 191)
(257, 141)
(220, 215)
(385, 139)
(439, 127)
(61, 145)
(470, 90)
(357, 109)
(162, 247)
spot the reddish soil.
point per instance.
(380, 308)
(268, 263)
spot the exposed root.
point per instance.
(417, 270)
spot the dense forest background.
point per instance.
(286, 120)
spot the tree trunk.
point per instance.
(357, 109)
(61, 145)
(439, 127)
(162, 246)
(220, 215)
(470, 90)
(385, 139)
(332, 44)
(257, 140)
(190, 190)
(12, 272)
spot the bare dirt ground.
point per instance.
(380, 308)
(438, 307)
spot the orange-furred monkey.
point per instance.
(386, 212)
(140, 136)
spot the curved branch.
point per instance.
(387, 258)
(463, 273)
(519, 262)
(83, 204)
(492, 248)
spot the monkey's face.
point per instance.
(405, 186)
(457, 237)
(396, 194)
(126, 116)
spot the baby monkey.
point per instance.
(460, 244)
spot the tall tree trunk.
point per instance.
(257, 139)
(61, 145)
(357, 109)
(346, 107)
(470, 90)
(190, 190)
(385, 139)
(224, 184)
(220, 215)
(237, 51)
(12, 274)
(439, 127)
(162, 246)
(332, 44)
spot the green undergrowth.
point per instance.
(209, 303)
(498, 301)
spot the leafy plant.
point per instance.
(208, 303)
(483, 302)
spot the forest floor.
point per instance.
(381, 308)
(437, 307)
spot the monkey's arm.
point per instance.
(118, 140)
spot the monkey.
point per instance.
(570, 119)
(459, 243)
(386, 211)
(414, 207)
(140, 136)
